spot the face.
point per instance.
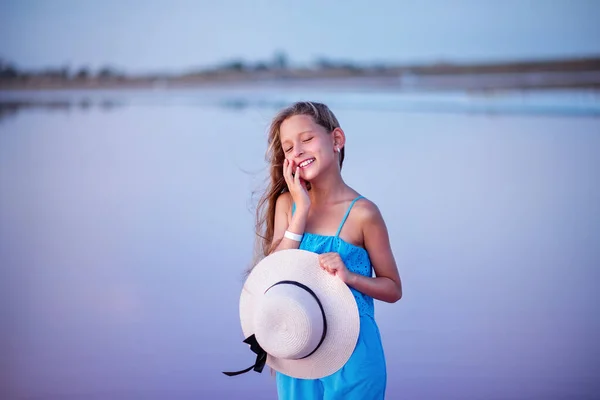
(309, 145)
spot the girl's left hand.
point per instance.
(332, 263)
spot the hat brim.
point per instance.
(339, 306)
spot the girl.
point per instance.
(309, 206)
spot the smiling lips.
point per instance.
(306, 163)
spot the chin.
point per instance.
(309, 175)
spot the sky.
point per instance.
(178, 35)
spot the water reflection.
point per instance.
(494, 102)
(124, 235)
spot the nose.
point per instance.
(298, 151)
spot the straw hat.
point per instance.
(296, 317)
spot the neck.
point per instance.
(327, 187)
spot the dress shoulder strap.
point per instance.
(346, 215)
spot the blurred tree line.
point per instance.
(279, 66)
(9, 71)
(278, 63)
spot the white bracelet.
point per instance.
(293, 236)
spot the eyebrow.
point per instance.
(298, 134)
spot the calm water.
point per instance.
(124, 233)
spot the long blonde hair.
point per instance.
(265, 211)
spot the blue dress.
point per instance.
(364, 375)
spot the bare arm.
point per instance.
(295, 224)
(386, 286)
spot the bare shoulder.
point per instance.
(367, 211)
(284, 203)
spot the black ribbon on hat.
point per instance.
(313, 294)
(261, 355)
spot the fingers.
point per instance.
(297, 176)
(287, 171)
(329, 255)
(322, 261)
(330, 262)
(291, 173)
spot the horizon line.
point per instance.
(374, 62)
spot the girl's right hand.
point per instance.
(296, 185)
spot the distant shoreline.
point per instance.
(579, 73)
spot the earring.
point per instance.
(338, 150)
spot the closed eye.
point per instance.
(288, 149)
(308, 140)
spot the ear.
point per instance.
(339, 138)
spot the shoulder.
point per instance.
(367, 212)
(284, 202)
